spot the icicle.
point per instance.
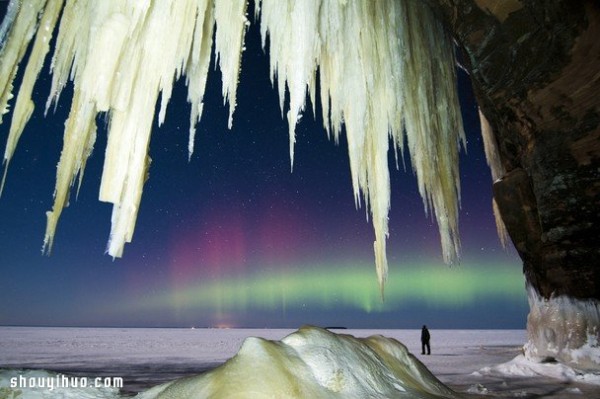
(113, 72)
(231, 24)
(491, 150)
(13, 50)
(144, 74)
(385, 67)
(79, 137)
(70, 42)
(197, 69)
(432, 118)
(374, 60)
(294, 48)
(9, 18)
(500, 226)
(493, 160)
(24, 105)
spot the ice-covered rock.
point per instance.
(565, 329)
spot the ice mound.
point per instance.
(312, 363)
(522, 367)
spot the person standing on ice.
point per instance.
(425, 340)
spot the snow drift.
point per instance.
(312, 363)
(520, 366)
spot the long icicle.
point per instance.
(492, 157)
(383, 65)
(24, 105)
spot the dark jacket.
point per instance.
(425, 334)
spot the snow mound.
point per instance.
(478, 388)
(312, 363)
(522, 367)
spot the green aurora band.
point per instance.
(349, 286)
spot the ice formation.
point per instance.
(312, 363)
(520, 366)
(386, 72)
(492, 156)
(563, 329)
(24, 105)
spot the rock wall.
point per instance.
(535, 69)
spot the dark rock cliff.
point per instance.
(535, 70)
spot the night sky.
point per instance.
(233, 239)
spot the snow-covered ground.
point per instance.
(475, 361)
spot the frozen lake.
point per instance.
(147, 357)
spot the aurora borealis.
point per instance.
(236, 240)
(354, 290)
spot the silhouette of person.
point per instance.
(425, 337)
